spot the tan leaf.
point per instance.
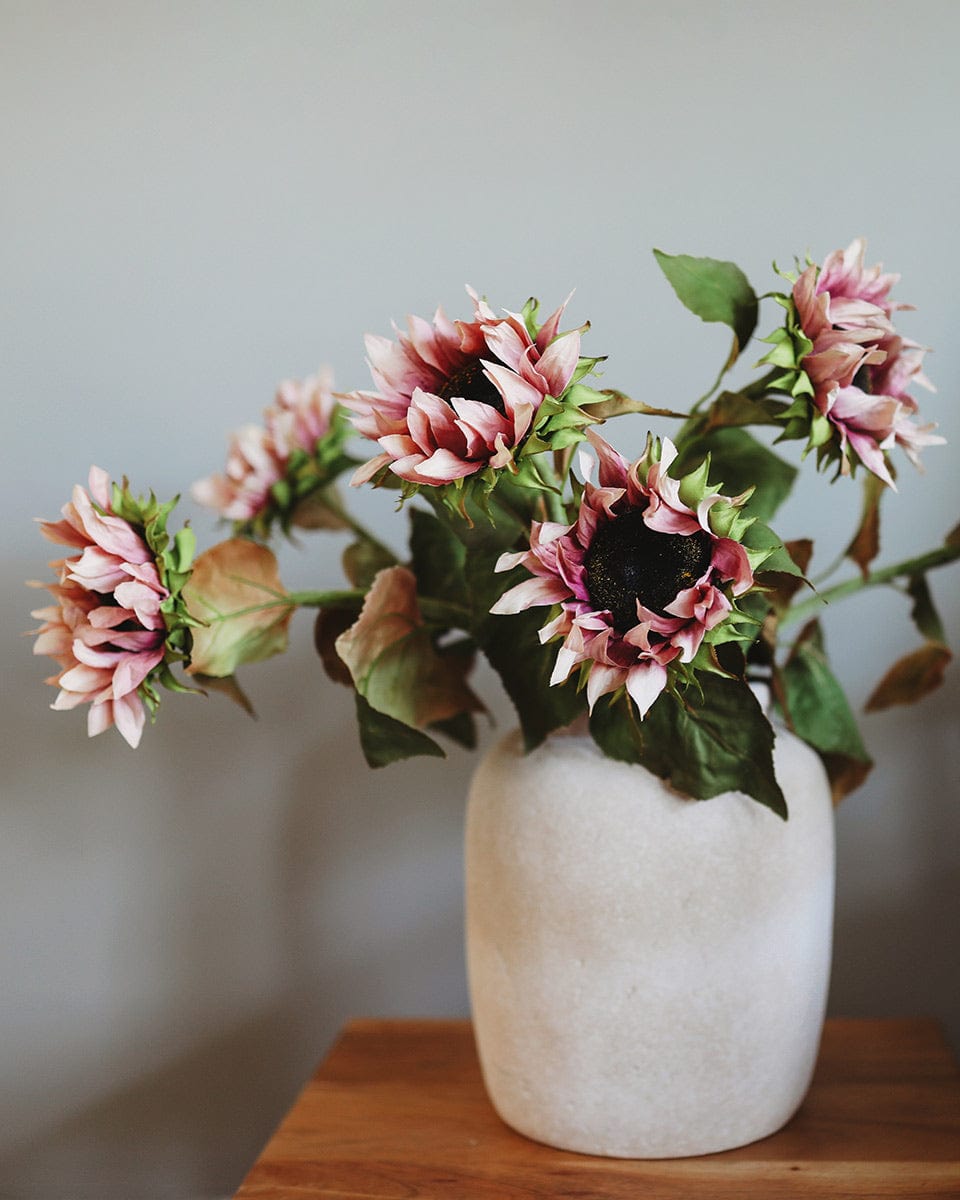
(392, 660)
(616, 404)
(912, 677)
(235, 590)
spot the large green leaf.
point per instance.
(385, 740)
(703, 745)
(817, 710)
(438, 557)
(714, 291)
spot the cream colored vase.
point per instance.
(648, 974)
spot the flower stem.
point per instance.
(436, 612)
(901, 570)
(337, 598)
(333, 502)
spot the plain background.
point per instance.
(199, 199)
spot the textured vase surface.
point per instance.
(648, 973)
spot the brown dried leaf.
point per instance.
(330, 623)
(912, 677)
(865, 545)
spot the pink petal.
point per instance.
(645, 682)
(601, 681)
(366, 472)
(443, 467)
(529, 594)
(559, 362)
(130, 718)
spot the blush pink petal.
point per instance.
(601, 681)
(133, 669)
(443, 466)
(111, 534)
(645, 682)
(559, 362)
(364, 473)
(97, 570)
(529, 594)
(129, 717)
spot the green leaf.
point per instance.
(713, 291)
(733, 408)
(513, 648)
(738, 462)
(760, 539)
(703, 745)
(817, 711)
(461, 729)
(438, 556)
(385, 740)
(363, 560)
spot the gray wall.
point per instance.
(200, 199)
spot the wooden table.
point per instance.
(398, 1110)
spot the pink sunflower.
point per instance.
(455, 397)
(106, 631)
(257, 458)
(860, 368)
(640, 577)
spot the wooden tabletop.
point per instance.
(398, 1112)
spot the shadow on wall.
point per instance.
(234, 891)
(184, 1131)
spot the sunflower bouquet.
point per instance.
(646, 598)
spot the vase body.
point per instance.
(648, 973)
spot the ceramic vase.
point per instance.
(648, 973)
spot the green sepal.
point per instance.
(738, 463)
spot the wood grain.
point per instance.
(398, 1112)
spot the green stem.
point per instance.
(436, 612)
(901, 570)
(333, 502)
(337, 598)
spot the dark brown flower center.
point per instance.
(627, 561)
(864, 379)
(468, 382)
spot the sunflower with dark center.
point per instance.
(641, 577)
(455, 397)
